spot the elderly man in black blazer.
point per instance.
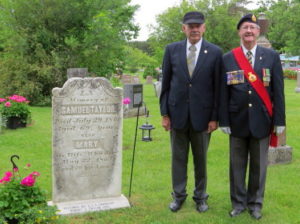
(189, 106)
(252, 108)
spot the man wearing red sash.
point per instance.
(251, 109)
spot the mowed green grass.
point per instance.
(151, 185)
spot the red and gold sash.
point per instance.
(257, 85)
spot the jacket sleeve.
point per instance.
(217, 81)
(167, 74)
(278, 92)
(224, 100)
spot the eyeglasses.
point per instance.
(249, 27)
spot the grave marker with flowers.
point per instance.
(15, 111)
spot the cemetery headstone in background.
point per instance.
(87, 146)
(135, 79)
(149, 79)
(126, 79)
(77, 72)
(157, 88)
(298, 83)
(135, 93)
(130, 79)
(282, 153)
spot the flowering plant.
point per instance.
(15, 106)
(22, 201)
(126, 101)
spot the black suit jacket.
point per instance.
(241, 107)
(193, 99)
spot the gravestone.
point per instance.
(135, 93)
(157, 88)
(298, 83)
(87, 146)
(149, 79)
(126, 79)
(282, 153)
(135, 79)
(77, 72)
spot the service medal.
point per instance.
(252, 77)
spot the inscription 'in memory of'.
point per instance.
(89, 109)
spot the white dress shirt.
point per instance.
(253, 51)
(197, 45)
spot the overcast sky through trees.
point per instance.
(145, 15)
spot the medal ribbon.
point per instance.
(256, 83)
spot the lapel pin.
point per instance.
(205, 51)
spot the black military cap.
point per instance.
(193, 17)
(251, 18)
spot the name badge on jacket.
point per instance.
(235, 77)
(266, 76)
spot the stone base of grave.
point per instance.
(280, 155)
(84, 206)
(127, 113)
(297, 90)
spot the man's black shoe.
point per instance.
(256, 214)
(175, 205)
(202, 206)
(235, 212)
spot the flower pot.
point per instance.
(14, 122)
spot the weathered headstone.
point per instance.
(149, 79)
(87, 146)
(298, 83)
(77, 72)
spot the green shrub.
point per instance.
(149, 71)
(115, 81)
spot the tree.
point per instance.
(137, 59)
(40, 39)
(221, 18)
(284, 30)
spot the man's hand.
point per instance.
(212, 125)
(166, 123)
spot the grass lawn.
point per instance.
(152, 180)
